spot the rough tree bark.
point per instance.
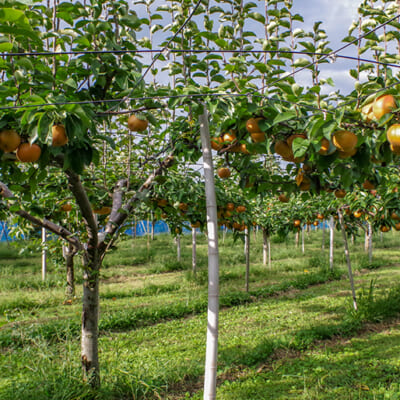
(90, 298)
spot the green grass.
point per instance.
(294, 335)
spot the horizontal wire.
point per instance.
(199, 51)
(200, 95)
(159, 54)
(332, 54)
(182, 96)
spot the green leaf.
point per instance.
(5, 46)
(13, 15)
(353, 73)
(257, 16)
(43, 126)
(301, 62)
(385, 119)
(300, 147)
(263, 68)
(328, 128)
(286, 116)
(71, 83)
(339, 113)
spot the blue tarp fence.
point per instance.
(142, 228)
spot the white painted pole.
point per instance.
(44, 254)
(331, 241)
(369, 241)
(194, 255)
(247, 256)
(269, 252)
(347, 253)
(210, 380)
(265, 247)
(178, 247)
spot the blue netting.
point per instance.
(142, 227)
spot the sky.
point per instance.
(337, 16)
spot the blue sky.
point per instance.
(337, 16)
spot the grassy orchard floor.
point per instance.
(293, 336)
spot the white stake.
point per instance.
(265, 247)
(247, 256)
(178, 247)
(210, 381)
(347, 253)
(194, 258)
(44, 255)
(331, 240)
(369, 241)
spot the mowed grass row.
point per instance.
(161, 353)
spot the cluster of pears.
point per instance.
(11, 141)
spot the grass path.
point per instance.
(287, 338)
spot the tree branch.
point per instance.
(121, 212)
(6, 193)
(81, 197)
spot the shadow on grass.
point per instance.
(364, 368)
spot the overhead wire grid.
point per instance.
(323, 56)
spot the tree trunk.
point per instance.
(302, 240)
(346, 251)
(194, 256)
(210, 380)
(247, 255)
(323, 234)
(297, 238)
(90, 319)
